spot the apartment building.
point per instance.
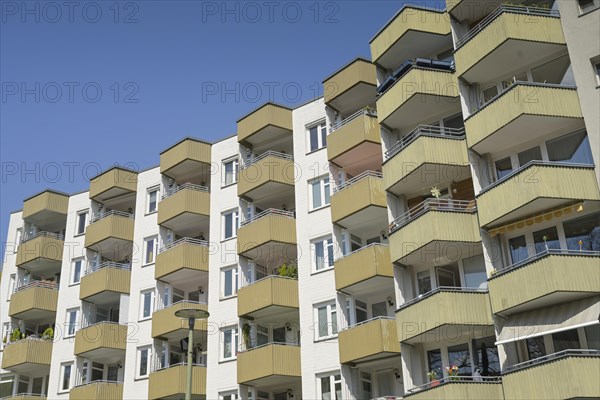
(429, 228)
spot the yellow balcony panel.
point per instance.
(41, 253)
(170, 383)
(100, 390)
(352, 87)
(47, 209)
(559, 276)
(170, 327)
(412, 32)
(360, 202)
(269, 123)
(104, 282)
(181, 261)
(27, 356)
(186, 159)
(535, 188)
(366, 270)
(35, 301)
(268, 296)
(424, 158)
(355, 144)
(111, 235)
(272, 364)
(420, 95)
(463, 388)
(369, 341)
(435, 231)
(570, 374)
(114, 182)
(423, 319)
(25, 396)
(509, 37)
(185, 209)
(272, 174)
(104, 338)
(269, 236)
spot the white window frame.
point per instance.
(235, 281)
(236, 170)
(235, 220)
(149, 191)
(12, 281)
(80, 260)
(331, 308)
(5, 330)
(320, 125)
(235, 342)
(86, 214)
(596, 5)
(332, 381)
(143, 294)
(328, 249)
(63, 366)
(18, 237)
(138, 361)
(324, 187)
(68, 323)
(154, 250)
(231, 394)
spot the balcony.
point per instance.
(501, 122)
(25, 396)
(558, 274)
(569, 374)
(536, 187)
(101, 283)
(269, 236)
(425, 157)
(434, 231)
(267, 296)
(98, 390)
(112, 183)
(185, 209)
(111, 234)
(47, 209)
(103, 338)
(509, 37)
(412, 32)
(181, 260)
(170, 383)
(422, 319)
(468, 11)
(369, 340)
(462, 387)
(271, 364)
(365, 270)
(269, 123)
(27, 356)
(186, 160)
(35, 301)
(355, 143)
(271, 174)
(41, 253)
(352, 87)
(167, 326)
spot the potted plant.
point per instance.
(15, 335)
(452, 372)
(48, 333)
(433, 380)
(246, 335)
(288, 270)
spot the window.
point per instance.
(82, 217)
(583, 233)
(486, 356)
(65, 376)
(475, 274)
(535, 347)
(533, 154)
(76, 270)
(546, 239)
(230, 172)
(71, 321)
(424, 282)
(434, 362)
(5, 330)
(460, 356)
(143, 362)
(330, 387)
(233, 395)
(152, 200)
(566, 340)
(592, 335)
(11, 285)
(97, 371)
(231, 221)
(322, 253)
(230, 343)
(588, 5)
(596, 66)
(146, 303)
(572, 148)
(320, 191)
(317, 136)
(150, 249)
(6, 385)
(326, 317)
(379, 309)
(366, 385)
(518, 249)
(229, 279)
(503, 167)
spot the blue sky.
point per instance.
(100, 83)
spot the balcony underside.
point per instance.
(421, 108)
(354, 98)
(421, 178)
(115, 249)
(273, 191)
(364, 157)
(412, 44)
(371, 220)
(188, 223)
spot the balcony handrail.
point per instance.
(408, 65)
(456, 379)
(440, 289)
(381, 317)
(28, 338)
(163, 307)
(542, 12)
(364, 111)
(268, 153)
(267, 212)
(179, 364)
(543, 254)
(45, 234)
(432, 204)
(270, 276)
(23, 394)
(107, 264)
(185, 186)
(361, 249)
(98, 381)
(272, 343)
(110, 213)
(197, 242)
(424, 130)
(38, 283)
(88, 324)
(355, 179)
(553, 356)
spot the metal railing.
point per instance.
(271, 343)
(98, 381)
(88, 324)
(269, 153)
(381, 317)
(361, 249)
(355, 179)
(23, 395)
(553, 356)
(424, 130)
(542, 254)
(440, 289)
(542, 12)
(44, 234)
(106, 264)
(110, 213)
(185, 186)
(455, 379)
(267, 212)
(161, 306)
(264, 278)
(40, 284)
(433, 204)
(347, 120)
(197, 242)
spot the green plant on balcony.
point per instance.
(48, 334)
(246, 335)
(16, 335)
(433, 378)
(288, 270)
(452, 372)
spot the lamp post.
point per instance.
(191, 315)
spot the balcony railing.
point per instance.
(553, 356)
(347, 120)
(424, 130)
(366, 322)
(269, 153)
(87, 324)
(425, 63)
(53, 235)
(197, 242)
(37, 284)
(433, 204)
(264, 278)
(268, 212)
(456, 379)
(157, 367)
(545, 253)
(185, 186)
(357, 178)
(269, 344)
(97, 381)
(106, 264)
(440, 289)
(110, 213)
(160, 307)
(361, 249)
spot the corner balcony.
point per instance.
(460, 387)
(170, 382)
(370, 340)
(569, 374)
(111, 234)
(423, 318)
(35, 301)
(269, 236)
(185, 209)
(434, 231)
(271, 174)
(509, 37)
(41, 253)
(556, 273)
(186, 159)
(112, 183)
(181, 260)
(101, 339)
(536, 187)
(98, 390)
(100, 283)
(27, 356)
(268, 296)
(352, 87)
(355, 143)
(47, 209)
(167, 326)
(425, 157)
(364, 270)
(268, 123)
(271, 364)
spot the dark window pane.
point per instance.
(314, 138)
(518, 249)
(323, 136)
(536, 347)
(503, 167)
(459, 355)
(434, 360)
(530, 155)
(586, 230)
(573, 148)
(566, 340)
(486, 356)
(592, 335)
(546, 239)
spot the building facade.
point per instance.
(429, 228)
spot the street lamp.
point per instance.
(191, 315)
